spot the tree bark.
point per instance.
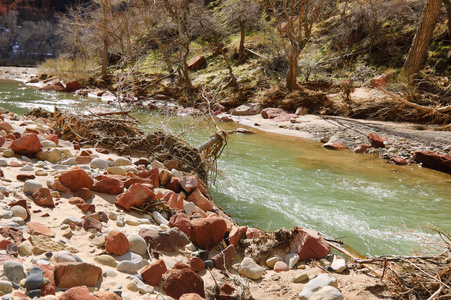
(418, 49)
(241, 53)
(292, 73)
(105, 39)
(448, 10)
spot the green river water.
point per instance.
(269, 181)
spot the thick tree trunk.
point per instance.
(419, 47)
(448, 10)
(292, 73)
(241, 53)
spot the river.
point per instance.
(269, 181)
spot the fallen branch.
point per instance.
(417, 106)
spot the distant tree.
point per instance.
(241, 14)
(418, 49)
(295, 20)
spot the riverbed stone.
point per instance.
(106, 259)
(338, 265)
(164, 240)
(153, 273)
(182, 281)
(122, 161)
(116, 243)
(137, 244)
(75, 179)
(270, 262)
(19, 211)
(308, 244)
(14, 271)
(52, 155)
(135, 196)
(250, 269)
(291, 259)
(25, 248)
(31, 186)
(98, 163)
(128, 267)
(303, 277)
(69, 275)
(327, 293)
(6, 286)
(207, 232)
(316, 284)
(42, 197)
(28, 143)
(376, 141)
(280, 266)
(109, 186)
(77, 293)
(36, 228)
(35, 278)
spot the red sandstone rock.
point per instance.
(86, 207)
(36, 228)
(432, 160)
(399, 161)
(188, 183)
(200, 200)
(109, 186)
(236, 234)
(84, 193)
(107, 295)
(5, 126)
(334, 146)
(361, 148)
(174, 185)
(91, 223)
(48, 289)
(271, 112)
(2, 141)
(68, 275)
(196, 62)
(77, 293)
(24, 177)
(379, 81)
(153, 273)
(173, 200)
(102, 150)
(196, 264)
(58, 87)
(309, 244)
(28, 143)
(191, 296)
(280, 266)
(222, 259)
(252, 233)
(227, 292)
(181, 221)
(116, 243)
(81, 160)
(207, 232)
(376, 141)
(164, 240)
(75, 179)
(42, 197)
(76, 200)
(57, 185)
(135, 196)
(152, 174)
(52, 137)
(72, 86)
(183, 281)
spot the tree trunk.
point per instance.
(105, 40)
(292, 72)
(241, 53)
(448, 10)
(418, 49)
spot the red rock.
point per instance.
(227, 292)
(57, 185)
(77, 293)
(52, 137)
(432, 160)
(379, 81)
(72, 86)
(82, 160)
(196, 62)
(15, 164)
(2, 141)
(86, 207)
(151, 174)
(85, 153)
(188, 183)
(334, 146)
(180, 265)
(4, 243)
(116, 243)
(23, 177)
(76, 200)
(58, 87)
(200, 200)
(12, 233)
(183, 281)
(84, 193)
(376, 141)
(109, 186)
(11, 136)
(164, 240)
(76, 179)
(361, 148)
(222, 259)
(102, 150)
(271, 112)
(68, 275)
(42, 197)
(280, 266)
(174, 185)
(191, 296)
(5, 126)
(24, 204)
(135, 196)
(207, 232)
(29, 130)
(36, 228)
(236, 234)
(153, 273)
(91, 223)
(309, 244)
(253, 233)
(399, 161)
(48, 289)
(107, 295)
(171, 164)
(28, 143)
(181, 221)
(174, 200)
(196, 264)
(285, 117)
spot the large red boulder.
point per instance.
(173, 200)
(28, 143)
(376, 141)
(200, 200)
(183, 281)
(153, 273)
(434, 161)
(135, 196)
(72, 86)
(42, 197)
(76, 179)
(77, 293)
(152, 175)
(207, 232)
(68, 275)
(109, 186)
(48, 289)
(181, 221)
(271, 112)
(236, 234)
(116, 243)
(196, 62)
(309, 244)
